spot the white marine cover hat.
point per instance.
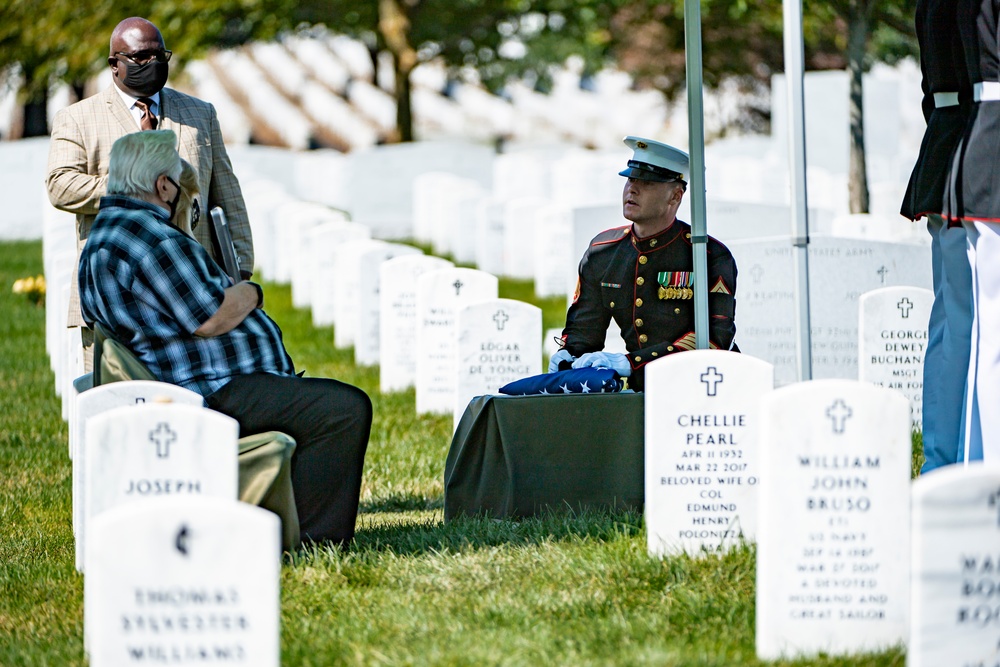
(655, 161)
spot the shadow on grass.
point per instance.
(401, 502)
(480, 532)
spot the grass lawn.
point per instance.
(564, 589)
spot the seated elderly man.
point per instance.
(642, 275)
(158, 291)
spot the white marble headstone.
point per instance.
(553, 256)
(519, 235)
(303, 258)
(183, 580)
(368, 326)
(702, 450)
(440, 295)
(956, 546)
(346, 288)
(139, 452)
(291, 222)
(398, 318)
(323, 244)
(840, 271)
(892, 330)
(386, 204)
(833, 533)
(499, 341)
(457, 229)
(107, 397)
(588, 222)
(489, 236)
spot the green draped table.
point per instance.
(515, 456)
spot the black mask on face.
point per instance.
(146, 79)
(173, 204)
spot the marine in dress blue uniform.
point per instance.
(947, 104)
(977, 193)
(642, 275)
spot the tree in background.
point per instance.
(876, 30)
(462, 33)
(48, 41)
(742, 41)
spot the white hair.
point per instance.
(139, 158)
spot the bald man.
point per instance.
(82, 135)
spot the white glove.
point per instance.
(616, 362)
(560, 356)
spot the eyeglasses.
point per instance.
(143, 57)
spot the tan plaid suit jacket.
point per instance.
(82, 135)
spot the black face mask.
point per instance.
(146, 79)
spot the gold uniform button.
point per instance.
(643, 338)
(656, 354)
(642, 259)
(670, 348)
(638, 303)
(687, 236)
(612, 304)
(640, 280)
(638, 359)
(677, 311)
(638, 323)
(652, 244)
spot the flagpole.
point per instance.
(795, 107)
(696, 150)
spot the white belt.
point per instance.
(986, 91)
(945, 100)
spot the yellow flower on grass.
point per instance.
(32, 287)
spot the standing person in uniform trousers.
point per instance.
(977, 190)
(82, 135)
(946, 105)
(642, 275)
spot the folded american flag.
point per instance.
(588, 380)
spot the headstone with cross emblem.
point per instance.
(702, 462)
(892, 333)
(183, 580)
(840, 271)
(440, 295)
(956, 545)
(833, 533)
(398, 318)
(107, 397)
(322, 257)
(499, 341)
(368, 300)
(134, 453)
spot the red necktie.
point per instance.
(147, 121)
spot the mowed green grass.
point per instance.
(563, 589)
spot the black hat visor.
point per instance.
(644, 171)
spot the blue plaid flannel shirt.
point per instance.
(152, 286)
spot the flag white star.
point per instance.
(566, 389)
(544, 391)
(584, 389)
